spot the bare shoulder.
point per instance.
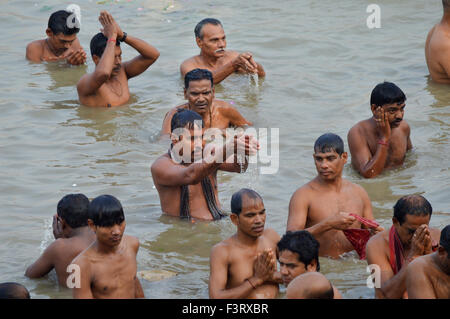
(418, 265)
(35, 50)
(271, 235)
(189, 64)
(223, 248)
(160, 163)
(132, 242)
(378, 241)
(359, 128)
(405, 127)
(83, 259)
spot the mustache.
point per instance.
(219, 50)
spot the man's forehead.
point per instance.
(288, 256)
(329, 152)
(396, 105)
(197, 85)
(69, 37)
(416, 220)
(210, 30)
(251, 203)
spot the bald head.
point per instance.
(12, 290)
(239, 196)
(310, 285)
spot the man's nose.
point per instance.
(283, 270)
(115, 230)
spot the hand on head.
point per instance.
(382, 120)
(110, 26)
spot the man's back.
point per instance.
(437, 53)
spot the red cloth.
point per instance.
(395, 250)
(359, 237)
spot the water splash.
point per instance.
(48, 235)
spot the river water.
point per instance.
(322, 62)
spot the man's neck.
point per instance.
(246, 239)
(335, 184)
(106, 249)
(208, 59)
(446, 18)
(51, 48)
(78, 232)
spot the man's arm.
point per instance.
(34, 51)
(417, 284)
(165, 173)
(298, 213)
(233, 115)
(45, 263)
(139, 292)
(362, 159)
(148, 55)
(84, 291)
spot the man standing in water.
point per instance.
(408, 238)
(199, 92)
(322, 206)
(437, 48)
(61, 42)
(244, 265)
(383, 140)
(298, 253)
(107, 269)
(187, 187)
(108, 84)
(210, 38)
(72, 236)
(428, 277)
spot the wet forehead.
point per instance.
(212, 31)
(250, 204)
(199, 85)
(288, 257)
(413, 221)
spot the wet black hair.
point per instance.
(98, 44)
(13, 290)
(329, 142)
(236, 199)
(416, 205)
(197, 75)
(446, 4)
(185, 118)
(73, 209)
(198, 28)
(106, 211)
(302, 243)
(444, 241)
(387, 93)
(58, 23)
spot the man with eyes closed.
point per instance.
(323, 206)
(383, 140)
(108, 85)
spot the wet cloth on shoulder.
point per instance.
(359, 237)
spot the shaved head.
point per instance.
(310, 285)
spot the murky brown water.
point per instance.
(322, 63)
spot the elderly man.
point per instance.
(210, 38)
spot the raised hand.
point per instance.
(265, 265)
(421, 241)
(57, 227)
(110, 27)
(246, 62)
(383, 126)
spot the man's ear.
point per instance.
(344, 156)
(312, 266)
(234, 219)
(91, 225)
(199, 42)
(395, 221)
(49, 32)
(96, 59)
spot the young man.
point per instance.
(61, 42)
(322, 206)
(107, 269)
(199, 92)
(72, 236)
(185, 179)
(210, 38)
(437, 48)
(381, 141)
(108, 85)
(298, 253)
(244, 265)
(409, 237)
(428, 277)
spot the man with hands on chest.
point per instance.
(108, 84)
